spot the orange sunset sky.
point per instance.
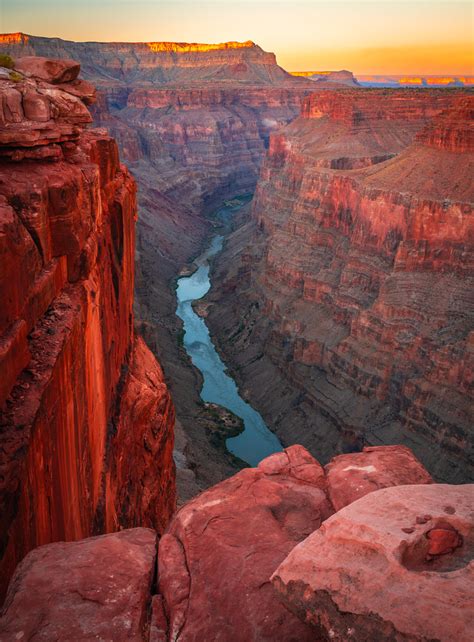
(383, 37)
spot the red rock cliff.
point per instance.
(192, 123)
(86, 420)
(359, 278)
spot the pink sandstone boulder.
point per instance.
(394, 565)
(52, 71)
(350, 477)
(215, 562)
(93, 589)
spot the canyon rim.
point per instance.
(236, 322)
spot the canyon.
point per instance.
(348, 296)
(341, 304)
(193, 128)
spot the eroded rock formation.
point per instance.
(220, 550)
(96, 588)
(395, 565)
(353, 476)
(86, 417)
(248, 522)
(350, 296)
(329, 78)
(193, 124)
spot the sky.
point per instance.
(377, 37)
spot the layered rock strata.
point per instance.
(157, 62)
(192, 122)
(349, 297)
(342, 77)
(218, 554)
(86, 416)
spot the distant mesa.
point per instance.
(13, 38)
(367, 80)
(343, 77)
(391, 81)
(159, 63)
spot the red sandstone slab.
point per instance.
(53, 71)
(352, 476)
(394, 565)
(221, 548)
(94, 589)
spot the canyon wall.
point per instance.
(86, 421)
(349, 298)
(192, 122)
(157, 62)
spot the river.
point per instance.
(256, 441)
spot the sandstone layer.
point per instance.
(353, 476)
(349, 298)
(214, 561)
(85, 413)
(395, 565)
(94, 589)
(218, 554)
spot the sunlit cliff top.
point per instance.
(180, 47)
(194, 46)
(13, 37)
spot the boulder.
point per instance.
(394, 565)
(352, 476)
(221, 548)
(36, 117)
(97, 588)
(52, 71)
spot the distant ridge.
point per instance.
(390, 80)
(343, 76)
(406, 80)
(157, 46)
(158, 63)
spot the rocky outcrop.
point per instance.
(396, 564)
(217, 556)
(97, 588)
(349, 298)
(215, 559)
(353, 476)
(86, 416)
(39, 115)
(329, 78)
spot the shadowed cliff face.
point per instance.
(85, 413)
(355, 280)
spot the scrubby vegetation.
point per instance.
(6, 61)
